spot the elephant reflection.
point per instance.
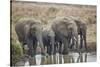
(61, 59)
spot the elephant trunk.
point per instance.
(52, 44)
(52, 40)
(75, 41)
(40, 41)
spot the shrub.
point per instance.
(16, 52)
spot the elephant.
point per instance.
(65, 29)
(58, 47)
(29, 33)
(82, 28)
(49, 40)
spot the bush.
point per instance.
(16, 53)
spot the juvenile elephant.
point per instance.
(82, 28)
(48, 36)
(49, 40)
(65, 29)
(29, 33)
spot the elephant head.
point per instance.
(36, 32)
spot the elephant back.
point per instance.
(27, 21)
(63, 23)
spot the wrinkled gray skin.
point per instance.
(82, 27)
(65, 29)
(49, 40)
(29, 33)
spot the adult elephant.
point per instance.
(82, 28)
(65, 29)
(29, 33)
(49, 39)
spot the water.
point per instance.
(61, 59)
(27, 63)
(38, 59)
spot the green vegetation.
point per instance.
(16, 51)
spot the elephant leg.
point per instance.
(60, 48)
(77, 47)
(48, 49)
(66, 50)
(34, 48)
(85, 43)
(55, 46)
(30, 51)
(81, 41)
(30, 44)
(23, 49)
(51, 49)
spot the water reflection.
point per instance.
(38, 59)
(61, 59)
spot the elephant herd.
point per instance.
(61, 36)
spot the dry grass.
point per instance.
(46, 12)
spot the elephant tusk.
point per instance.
(71, 41)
